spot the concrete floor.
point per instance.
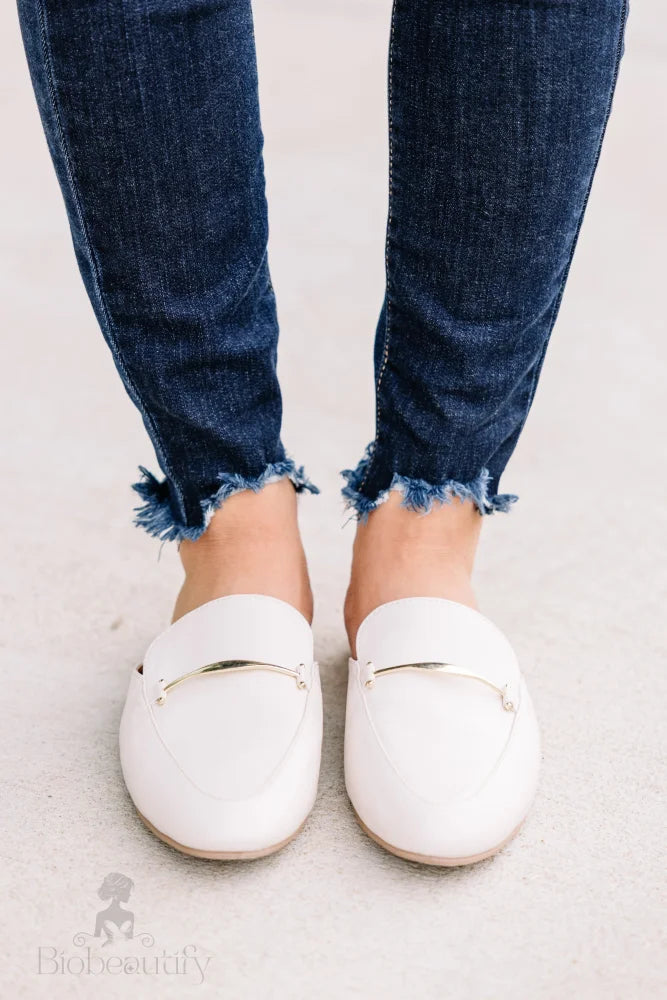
(575, 575)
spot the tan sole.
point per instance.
(429, 859)
(194, 852)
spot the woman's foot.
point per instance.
(399, 553)
(222, 728)
(441, 741)
(251, 546)
(442, 748)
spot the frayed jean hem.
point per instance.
(156, 516)
(420, 496)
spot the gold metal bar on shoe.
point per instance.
(445, 668)
(231, 666)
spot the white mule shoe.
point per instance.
(221, 732)
(442, 748)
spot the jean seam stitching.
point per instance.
(69, 170)
(387, 324)
(561, 289)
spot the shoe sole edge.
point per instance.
(195, 852)
(431, 859)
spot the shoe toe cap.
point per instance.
(440, 770)
(227, 764)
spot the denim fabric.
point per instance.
(151, 114)
(497, 110)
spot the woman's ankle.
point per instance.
(252, 545)
(400, 553)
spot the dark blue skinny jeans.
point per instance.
(497, 110)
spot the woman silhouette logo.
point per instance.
(116, 923)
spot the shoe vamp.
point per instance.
(442, 735)
(230, 733)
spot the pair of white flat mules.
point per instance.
(221, 734)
